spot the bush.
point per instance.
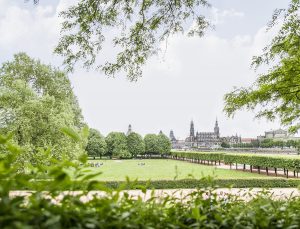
(200, 209)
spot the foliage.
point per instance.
(151, 144)
(225, 145)
(117, 145)
(139, 27)
(57, 209)
(164, 144)
(96, 146)
(36, 101)
(291, 163)
(268, 143)
(271, 161)
(278, 90)
(205, 156)
(179, 184)
(135, 144)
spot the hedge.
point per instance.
(204, 156)
(286, 162)
(259, 160)
(171, 184)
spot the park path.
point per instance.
(242, 193)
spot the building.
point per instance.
(203, 139)
(277, 135)
(176, 144)
(248, 140)
(231, 140)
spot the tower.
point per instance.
(217, 129)
(129, 131)
(192, 130)
(172, 136)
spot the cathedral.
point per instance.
(203, 139)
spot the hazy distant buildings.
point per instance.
(277, 135)
(203, 139)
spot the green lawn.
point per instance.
(163, 169)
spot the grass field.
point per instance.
(163, 169)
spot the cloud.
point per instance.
(189, 81)
(220, 16)
(31, 29)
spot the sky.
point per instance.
(187, 82)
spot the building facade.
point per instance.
(203, 139)
(277, 135)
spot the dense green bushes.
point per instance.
(287, 162)
(173, 184)
(200, 209)
(204, 156)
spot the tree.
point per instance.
(151, 144)
(277, 92)
(36, 102)
(135, 144)
(96, 146)
(164, 144)
(140, 26)
(225, 145)
(117, 145)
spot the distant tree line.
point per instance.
(266, 143)
(118, 145)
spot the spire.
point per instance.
(192, 129)
(172, 136)
(217, 129)
(129, 131)
(160, 132)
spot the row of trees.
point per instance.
(118, 145)
(267, 143)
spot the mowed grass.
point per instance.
(163, 169)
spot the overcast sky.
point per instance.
(187, 82)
